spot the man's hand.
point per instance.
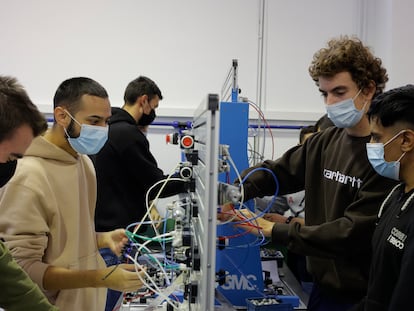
(246, 220)
(115, 240)
(227, 213)
(275, 217)
(122, 278)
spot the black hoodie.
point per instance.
(125, 170)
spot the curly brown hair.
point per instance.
(349, 54)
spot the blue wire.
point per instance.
(274, 196)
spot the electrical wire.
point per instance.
(247, 221)
(149, 207)
(165, 264)
(261, 114)
(154, 287)
(235, 215)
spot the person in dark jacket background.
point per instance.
(126, 168)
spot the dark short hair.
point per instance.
(139, 87)
(348, 54)
(395, 105)
(70, 91)
(17, 109)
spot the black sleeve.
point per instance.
(144, 167)
(289, 171)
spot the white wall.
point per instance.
(402, 60)
(186, 46)
(295, 30)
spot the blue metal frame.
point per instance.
(240, 261)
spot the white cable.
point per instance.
(165, 181)
(143, 245)
(238, 177)
(167, 292)
(148, 214)
(156, 289)
(240, 183)
(261, 117)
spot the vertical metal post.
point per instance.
(259, 84)
(235, 87)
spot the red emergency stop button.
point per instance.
(187, 141)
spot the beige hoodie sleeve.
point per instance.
(24, 227)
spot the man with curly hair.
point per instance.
(343, 192)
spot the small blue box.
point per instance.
(293, 300)
(267, 304)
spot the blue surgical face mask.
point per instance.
(91, 138)
(375, 152)
(344, 114)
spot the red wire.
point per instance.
(249, 224)
(267, 125)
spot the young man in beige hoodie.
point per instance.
(48, 206)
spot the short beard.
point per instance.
(71, 129)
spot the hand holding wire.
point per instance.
(245, 219)
(123, 277)
(115, 240)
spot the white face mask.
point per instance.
(344, 114)
(375, 152)
(91, 138)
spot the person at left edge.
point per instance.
(48, 206)
(20, 122)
